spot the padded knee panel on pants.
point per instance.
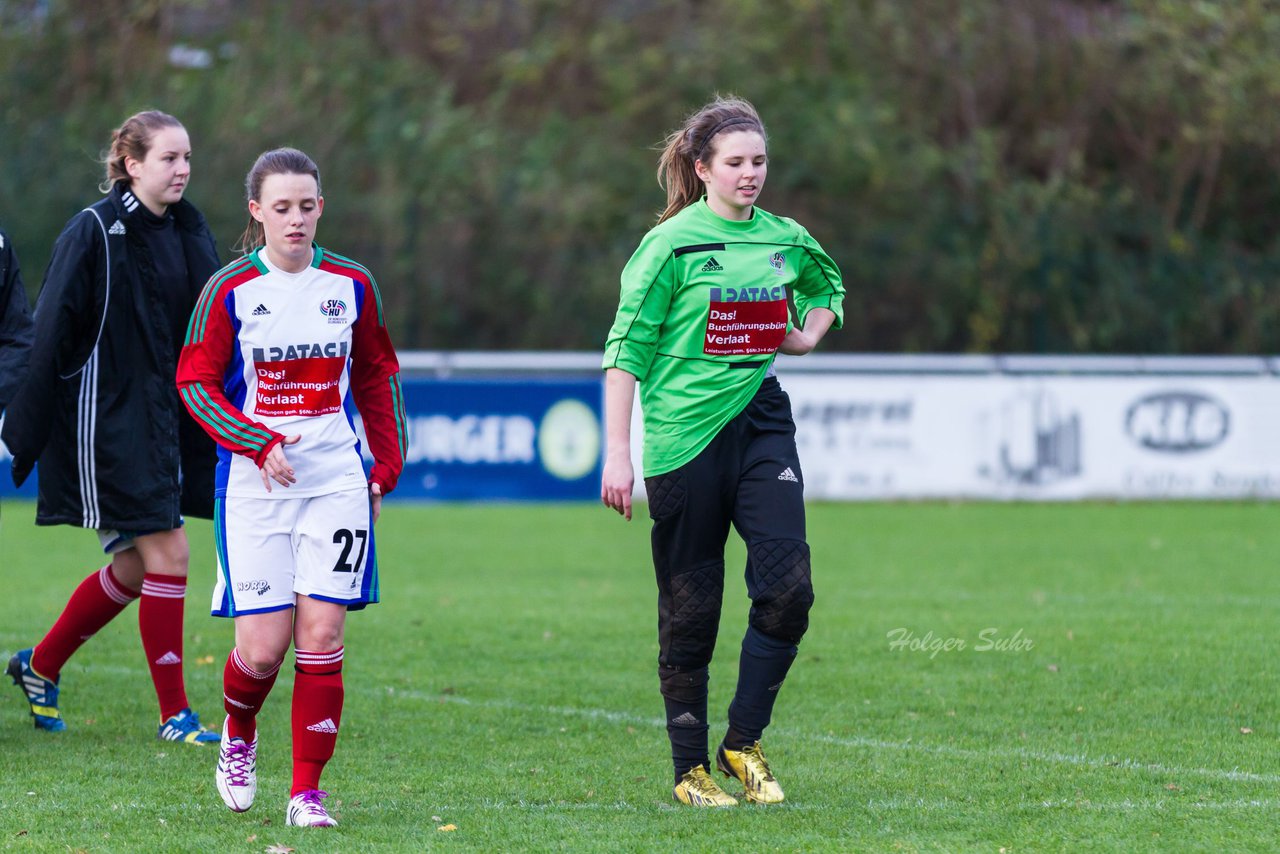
(694, 618)
(666, 495)
(781, 588)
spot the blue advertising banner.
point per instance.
(486, 439)
(506, 439)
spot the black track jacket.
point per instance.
(15, 324)
(99, 408)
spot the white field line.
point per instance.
(1079, 760)
(915, 805)
(859, 742)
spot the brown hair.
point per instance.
(278, 161)
(695, 141)
(132, 139)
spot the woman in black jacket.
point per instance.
(100, 413)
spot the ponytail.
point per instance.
(279, 161)
(132, 139)
(694, 142)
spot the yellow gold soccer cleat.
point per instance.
(751, 769)
(697, 789)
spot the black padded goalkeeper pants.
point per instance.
(749, 477)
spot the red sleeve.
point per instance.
(202, 368)
(375, 386)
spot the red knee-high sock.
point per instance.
(160, 622)
(244, 690)
(93, 604)
(317, 714)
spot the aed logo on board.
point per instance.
(1178, 422)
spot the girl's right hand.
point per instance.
(276, 466)
(617, 484)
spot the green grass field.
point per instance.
(507, 687)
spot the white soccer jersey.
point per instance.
(271, 354)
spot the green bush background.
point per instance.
(991, 175)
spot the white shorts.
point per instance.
(272, 549)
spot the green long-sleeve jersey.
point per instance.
(702, 313)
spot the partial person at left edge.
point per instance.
(15, 324)
(117, 452)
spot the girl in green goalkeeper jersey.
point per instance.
(703, 311)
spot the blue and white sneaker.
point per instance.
(42, 695)
(185, 726)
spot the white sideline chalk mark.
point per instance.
(948, 805)
(1078, 760)
(917, 805)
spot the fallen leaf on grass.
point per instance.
(253, 837)
(436, 818)
(279, 849)
(205, 659)
(1244, 730)
(1174, 787)
(447, 827)
(1053, 668)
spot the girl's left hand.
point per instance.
(375, 499)
(796, 343)
(801, 341)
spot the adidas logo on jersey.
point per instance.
(261, 310)
(327, 726)
(117, 227)
(712, 266)
(788, 474)
(169, 658)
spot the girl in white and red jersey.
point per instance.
(283, 347)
